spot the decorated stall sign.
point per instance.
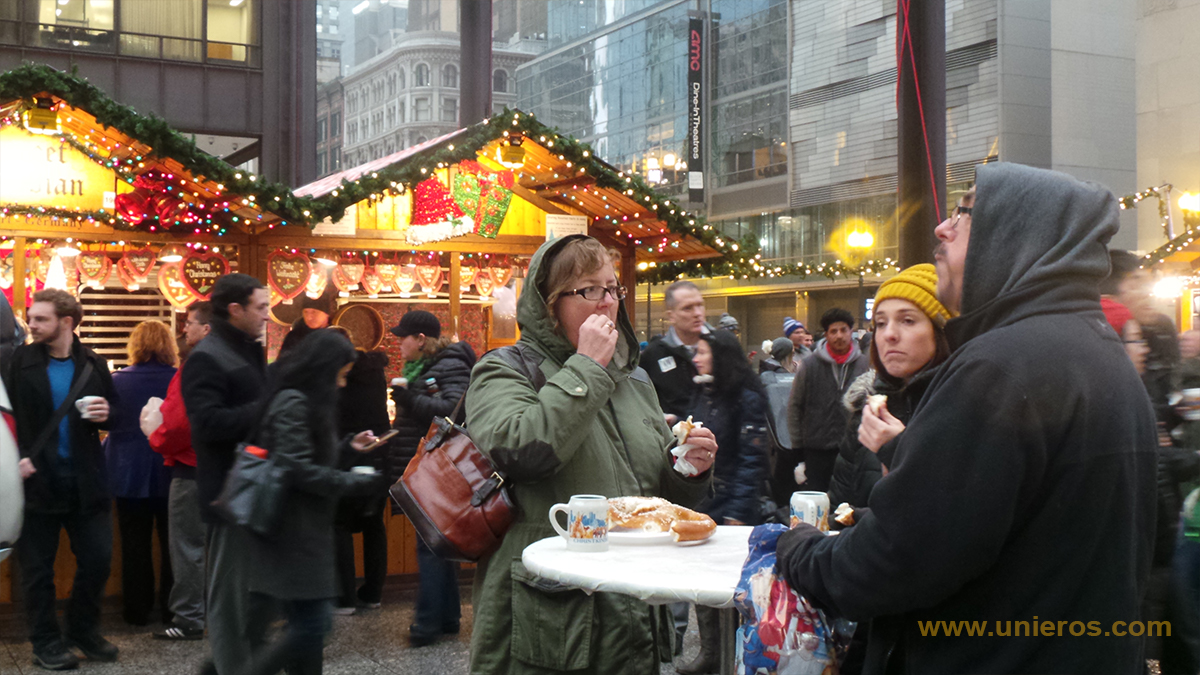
(170, 282)
(484, 284)
(46, 171)
(430, 278)
(341, 282)
(353, 270)
(387, 274)
(436, 216)
(94, 268)
(466, 276)
(127, 282)
(500, 274)
(483, 195)
(6, 272)
(288, 273)
(371, 282)
(318, 279)
(200, 272)
(137, 264)
(406, 280)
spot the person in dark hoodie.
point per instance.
(314, 315)
(816, 417)
(910, 343)
(1023, 486)
(436, 373)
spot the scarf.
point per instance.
(413, 369)
(839, 359)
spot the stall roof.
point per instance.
(559, 175)
(132, 145)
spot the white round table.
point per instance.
(704, 574)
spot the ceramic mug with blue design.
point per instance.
(587, 522)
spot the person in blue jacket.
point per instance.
(136, 474)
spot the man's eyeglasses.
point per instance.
(596, 293)
(962, 211)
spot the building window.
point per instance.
(320, 164)
(232, 33)
(421, 110)
(391, 85)
(391, 117)
(400, 112)
(500, 80)
(320, 28)
(449, 110)
(335, 159)
(168, 30)
(321, 130)
(401, 78)
(333, 11)
(421, 75)
(335, 125)
(333, 29)
(352, 133)
(450, 76)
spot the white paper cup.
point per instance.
(82, 405)
(364, 470)
(399, 382)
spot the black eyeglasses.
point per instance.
(962, 210)
(596, 293)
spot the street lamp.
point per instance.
(859, 241)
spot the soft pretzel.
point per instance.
(653, 514)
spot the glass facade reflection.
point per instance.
(621, 90)
(749, 111)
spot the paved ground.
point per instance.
(372, 642)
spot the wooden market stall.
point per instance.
(118, 208)
(127, 212)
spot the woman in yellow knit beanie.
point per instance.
(908, 344)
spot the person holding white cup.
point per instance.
(59, 390)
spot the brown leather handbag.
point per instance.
(454, 495)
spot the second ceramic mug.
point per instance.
(587, 522)
(811, 508)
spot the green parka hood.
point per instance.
(536, 318)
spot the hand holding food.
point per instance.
(696, 449)
(844, 514)
(653, 514)
(877, 429)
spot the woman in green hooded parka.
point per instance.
(577, 417)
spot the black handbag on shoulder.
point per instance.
(255, 489)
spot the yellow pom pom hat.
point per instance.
(918, 285)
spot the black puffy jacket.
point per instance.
(433, 393)
(857, 469)
(742, 466)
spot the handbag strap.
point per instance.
(57, 418)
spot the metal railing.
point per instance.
(139, 45)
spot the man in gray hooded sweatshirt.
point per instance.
(1014, 531)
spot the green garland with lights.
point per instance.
(1191, 222)
(31, 79)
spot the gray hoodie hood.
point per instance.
(1038, 246)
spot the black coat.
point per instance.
(856, 469)
(421, 401)
(298, 562)
(1024, 484)
(742, 466)
(671, 370)
(28, 388)
(222, 381)
(362, 405)
(816, 417)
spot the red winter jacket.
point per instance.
(173, 440)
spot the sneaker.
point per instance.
(95, 647)
(177, 633)
(344, 611)
(369, 605)
(55, 656)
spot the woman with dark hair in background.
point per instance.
(436, 373)
(731, 402)
(298, 428)
(362, 405)
(138, 478)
